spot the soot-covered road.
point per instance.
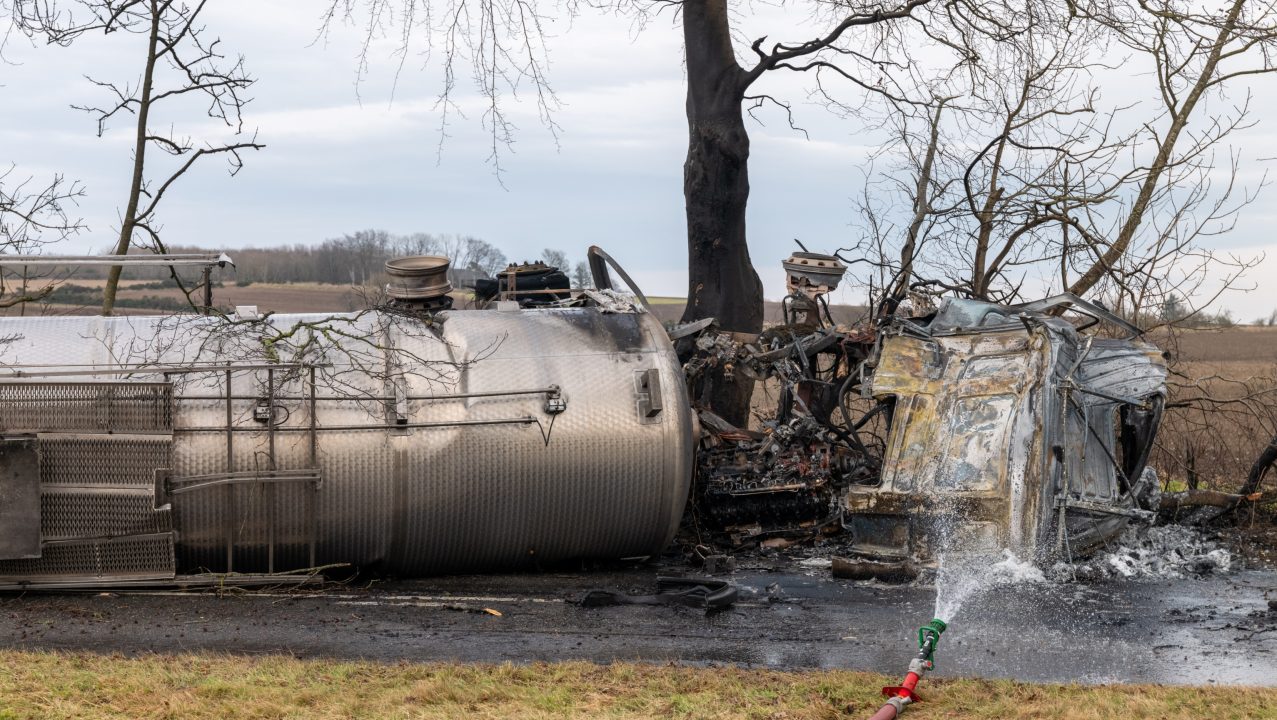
(1217, 629)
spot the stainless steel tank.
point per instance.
(412, 444)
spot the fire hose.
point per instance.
(901, 695)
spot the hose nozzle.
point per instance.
(899, 696)
(929, 637)
(935, 627)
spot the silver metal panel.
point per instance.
(118, 407)
(124, 558)
(1121, 368)
(102, 459)
(68, 513)
(19, 498)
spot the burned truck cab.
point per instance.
(1011, 427)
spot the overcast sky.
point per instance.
(340, 159)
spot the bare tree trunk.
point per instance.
(722, 282)
(982, 274)
(1260, 468)
(921, 210)
(22, 309)
(139, 164)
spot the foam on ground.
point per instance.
(1169, 551)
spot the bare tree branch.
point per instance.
(178, 63)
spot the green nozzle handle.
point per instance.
(931, 630)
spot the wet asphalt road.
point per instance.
(1211, 630)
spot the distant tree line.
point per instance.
(354, 259)
(73, 294)
(360, 258)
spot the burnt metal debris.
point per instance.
(1012, 428)
(555, 424)
(973, 427)
(785, 479)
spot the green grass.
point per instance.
(190, 687)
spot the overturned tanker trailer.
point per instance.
(138, 450)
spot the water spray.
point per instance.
(901, 695)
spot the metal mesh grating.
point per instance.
(68, 514)
(68, 407)
(97, 510)
(136, 557)
(102, 459)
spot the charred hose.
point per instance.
(901, 695)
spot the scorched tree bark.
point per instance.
(722, 282)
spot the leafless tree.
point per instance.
(556, 258)
(472, 253)
(33, 215)
(1028, 180)
(981, 177)
(416, 244)
(180, 66)
(581, 276)
(1196, 52)
(1029, 183)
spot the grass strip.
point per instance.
(58, 685)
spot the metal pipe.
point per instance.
(526, 420)
(492, 393)
(208, 289)
(197, 259)
(230, 468)
(383, 398)
(312, 527)
(194, 368)
(231, 481)
(245, 475)
(89, 383)
(270, 419)
(270, 459)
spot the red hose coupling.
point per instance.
(906, 689)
